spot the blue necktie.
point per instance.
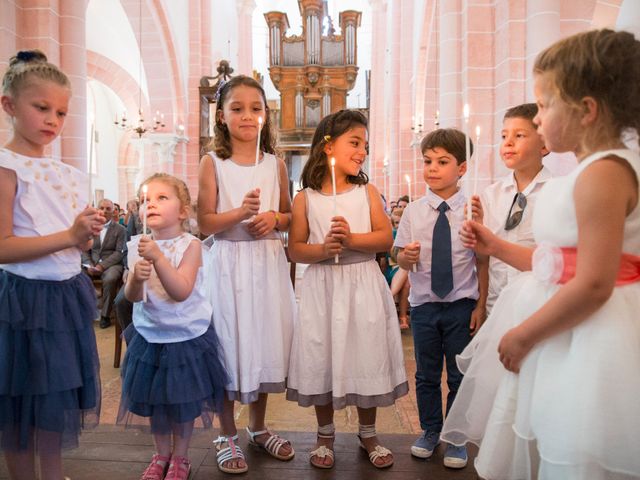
(441, 269)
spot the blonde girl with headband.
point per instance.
(49, 370)
(244, 202)
(551, 382)
(172, 373)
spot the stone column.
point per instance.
(245, 36)
(73, 61)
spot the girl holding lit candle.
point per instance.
(49, 371)
(173, 327)
(244, 202)
(346, 348)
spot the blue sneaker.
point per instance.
(426, 443)
(455, 457)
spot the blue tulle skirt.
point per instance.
(169, 385)
(49, 368)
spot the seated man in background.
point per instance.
(104, 260)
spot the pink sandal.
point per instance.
(156, 471)
(179, 469)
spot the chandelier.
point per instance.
(139, 127)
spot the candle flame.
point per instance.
(477, 131)
(333, 162)
(144, 189)
(407, 178)
(465, 111)
(259, 120)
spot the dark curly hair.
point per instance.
(330, 127)
(221, 143)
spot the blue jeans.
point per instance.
(439, 329)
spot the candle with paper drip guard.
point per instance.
(407, 178)
(144, 232)
(467, 149)
(335, 196)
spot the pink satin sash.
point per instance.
(629, 271)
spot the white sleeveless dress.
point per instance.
(253, 300)
(573, 411)
(346, 348)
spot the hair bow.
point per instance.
(26, 55)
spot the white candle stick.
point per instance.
(258, 141)
(467, 147)
(144, 232)
(335, 196)
(91, 167)
(476, 166)
(407, 178)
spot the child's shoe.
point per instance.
(455, 457)
(179, 469)
(426, 443)
(156, 469)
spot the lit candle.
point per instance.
(407, 179)
(144, 232)
(91, 166)
(467, 148)
(335, 195)
(437, 120)
(476, 162)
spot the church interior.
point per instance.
(144, 77)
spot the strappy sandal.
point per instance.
(322, 452)
(369, 431)
(272, 445)
(179, 469)
(156, 471)
(230, 452)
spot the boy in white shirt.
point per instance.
(507, 205)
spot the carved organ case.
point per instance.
(313, 72)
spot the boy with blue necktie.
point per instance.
(444, 294)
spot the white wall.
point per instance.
(105, 102)
(178, 18)
(110, 34)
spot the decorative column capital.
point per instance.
(245, 7)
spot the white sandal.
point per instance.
(328, 432)
(230, 452)
(369, 431)
(272, 445)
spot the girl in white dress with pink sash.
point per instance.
(551, 383)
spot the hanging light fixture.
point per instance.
(158, 121)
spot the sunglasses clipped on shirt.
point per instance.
(515, 217)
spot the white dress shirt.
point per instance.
(496, 200)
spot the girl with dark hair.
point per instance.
(346, 348)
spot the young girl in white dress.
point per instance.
(172, 372)
(49, 370)
(551, 381)
(347, 348)
(244, 201)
